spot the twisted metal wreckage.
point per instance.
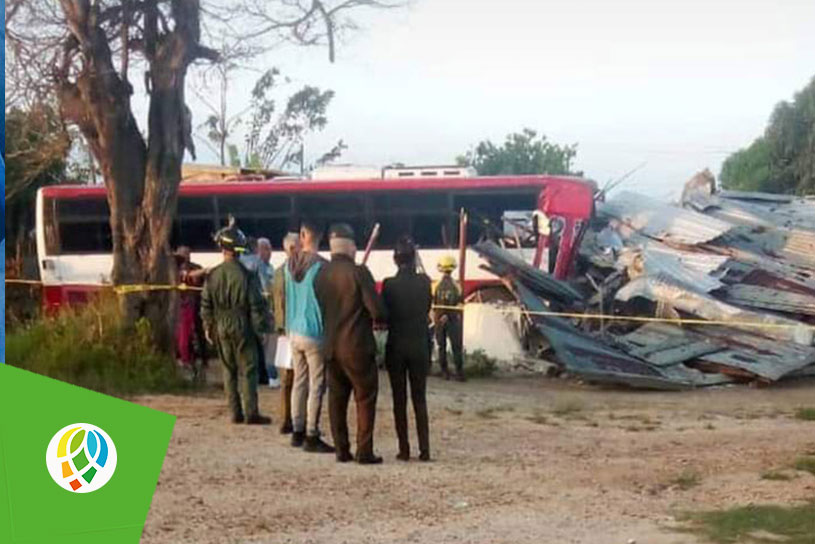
(726, 280)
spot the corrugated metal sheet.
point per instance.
(790, 247)
(653, 263)
(664, 289)
(752, 195)
(755, 296)
(590, 357)
(701, 262)
(666, 345)
(797, 213)
(663, 221)
(755, 354)
(731, 350)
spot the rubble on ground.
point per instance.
(737, 268)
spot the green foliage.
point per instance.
(277, 140)
(793, 525)
(783, 159)
(805, 464)
(568, 407)
(748, 169)
(805, 414)
(37, 145)
(776, 476)
(90, 347)
(687, 479)
(478, 365)
(521, 153)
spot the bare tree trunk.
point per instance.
(142, 179)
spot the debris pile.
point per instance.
(719, 288)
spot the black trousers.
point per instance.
(263, 373)
(452, 330)
(362, 378)
(409, 365)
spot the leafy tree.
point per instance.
(84, 52)
(521, 153)
(783, 159)
(277, 141)
(748, 169)
(37, 146)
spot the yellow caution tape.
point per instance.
(129, 289)
(642, 319)
(24, 282)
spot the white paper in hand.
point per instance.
(282, 358)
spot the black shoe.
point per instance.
(344, 457)
(258, 419)
(297, 438)
(369, 460)
(314, 444)
(445, 374)
(403, 456)
(424, 456)
(237, 418)
(460, 377)
(286, 428)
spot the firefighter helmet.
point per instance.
(231, 238)
(446, 264)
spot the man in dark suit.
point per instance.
(350, 305)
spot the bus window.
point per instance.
(50, 226)
(425, 216)
(486, 211)
(391, 228)
(83, 226)
(194, 233)
(429, 230)
(273, 228)
(196, 206)
(194, 223)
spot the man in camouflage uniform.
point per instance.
(233, 312)
(446, 320)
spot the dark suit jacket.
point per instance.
(349, 304)
(407, 300)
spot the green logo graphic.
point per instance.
(81, 458)
(76, 467)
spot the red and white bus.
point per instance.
(74, 239)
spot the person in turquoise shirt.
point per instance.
(304, 327)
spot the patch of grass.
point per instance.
(805, 414)
(478, 365)
(487, 413)
(710, 427)
(568, 408)
(90, 347)
(493, 411)
(793, 525)
(687, 479)
(453, 411)
(538, 418)
(776, 476)
(806, 464)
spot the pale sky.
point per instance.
(675, 84)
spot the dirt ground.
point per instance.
(516, 460)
